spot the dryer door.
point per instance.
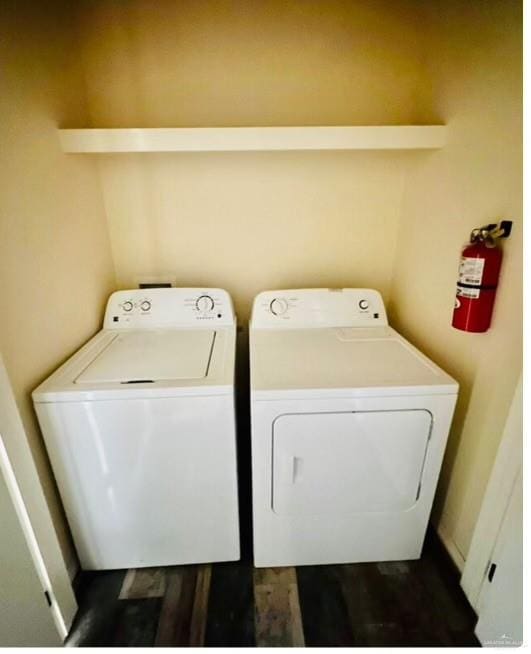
(341, 463)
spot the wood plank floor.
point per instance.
(411, 603)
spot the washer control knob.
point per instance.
(204, 303)
(127, 306)
(146, 305)
(278, 306)
(363, 305)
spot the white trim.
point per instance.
(225, 139)
(29, 534)
(451, 547)
(504, 473)
(20, 458)
(72, 568)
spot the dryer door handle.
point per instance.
(296, 469)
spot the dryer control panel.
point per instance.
(315, 307)
(169, 307)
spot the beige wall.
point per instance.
(474, 64)
(215, 63)
(252, 221)
(55, 260)
(248, 222)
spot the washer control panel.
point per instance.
(344, 307)
(168, 307)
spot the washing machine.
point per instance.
(139, 426)
(349, 428)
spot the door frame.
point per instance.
(6, 470)
(28, 496)
(506, 468)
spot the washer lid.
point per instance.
(152, 355)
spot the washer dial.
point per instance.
(363, 305)
(204, 303)
(145, 305)
(127, 306)
(278, 306)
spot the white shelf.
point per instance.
(225, 139)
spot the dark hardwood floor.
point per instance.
(411, 603)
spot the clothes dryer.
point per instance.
(349, 427)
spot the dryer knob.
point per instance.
(278, 306)
(204, 303)
(146, 305)
(127, 306)
(363, 305)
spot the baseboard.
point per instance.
(450, 547)
(72, 567)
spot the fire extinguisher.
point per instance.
(479, 270)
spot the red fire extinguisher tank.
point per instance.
(479, 270)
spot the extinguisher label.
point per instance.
(467, 292)
(471, 272)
